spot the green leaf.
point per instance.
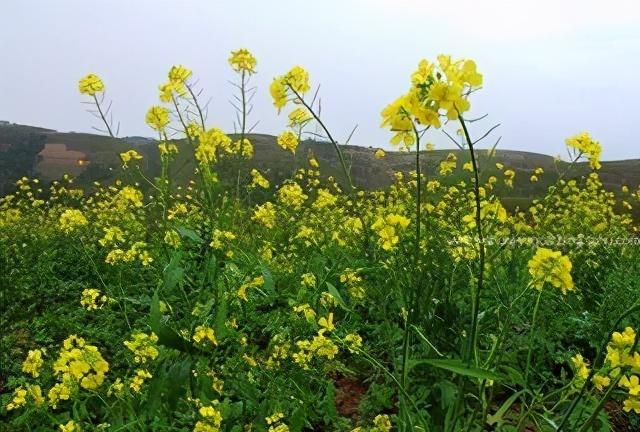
(425, 340)
(173, 273)
(334, 292)
(190, 234)
(330, 401)
(154, 316)
(269, 285)
(458, 367)
(497, 417)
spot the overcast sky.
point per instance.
(552, 68)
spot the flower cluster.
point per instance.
(93, 299)
(33, 363)
(243, 61)
(294, 83)
(91, 84)
(622, 364)
(71, 219)
(144, 346)
(387, 230)
(436, 90)
(288, 140)
(210, 419)
(584, 144)
(204, 334)
(548, 266)
(158, 118)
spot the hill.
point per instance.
(48, 154)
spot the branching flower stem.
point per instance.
(197, 104)
(102, 116)
(326, 131)
(481, 247)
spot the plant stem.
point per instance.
(195, 102)
(481, 247)
(600, 405)
(104, 120)
(575, 401)
(326, 131)
(531, 333)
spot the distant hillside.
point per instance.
(48, 154)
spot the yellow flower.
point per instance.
(80, 362)
(632, 405)
(70, 426)
(90, 85)
(552, 267)
(278, 92)
(308, 280)
(581, 366)
(396, 117)
(509, 175)
(157, 118)
(624, 339)
(138, 379)
(382, 423)
(354, 340)
(253, 283)
(58, 392)
(179, 74)
(19, 399)
(292, 195)
(33, 362)
(288, 140)
(601, 381)
(298, 79)
(379, 154)
(166, 148)
(587, 146)
(92, 299)
(242, 61)
(257, 180)
(265, 214)
(71, 219)
(299, 117)
(306, 310)
(204, 333)
(274, 418)
(326, 324)
(129, 155)
(448, 165)
(143, 346)
(632, 384)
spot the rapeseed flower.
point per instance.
(548, 266)
(90, 85)
(243, 61)
(288, 140)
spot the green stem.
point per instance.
(195, 102)
(600, 405)
(531, 335)
(104, 120)
(326, 131)
(481, 247)
(603, 348)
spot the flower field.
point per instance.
(311, 304)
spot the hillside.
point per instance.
(48, 154)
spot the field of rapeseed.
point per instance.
(312, 305)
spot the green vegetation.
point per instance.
(241, 283)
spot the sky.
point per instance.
(551, 68)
